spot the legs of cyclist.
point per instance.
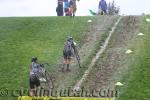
(67, 61)
(34, 84)
(68, 64)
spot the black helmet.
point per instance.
(34, 59)
(69, 39)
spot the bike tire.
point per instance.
(49, 80)
(77, 56)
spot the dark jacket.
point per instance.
(59, 10)
(103, 5)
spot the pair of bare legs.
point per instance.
(72, 10)
(33, 92)
(67, 64)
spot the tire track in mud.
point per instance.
(112, 66)
(98, 54)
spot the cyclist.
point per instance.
(68, 52)
(34, 80)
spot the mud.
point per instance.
(110, 66)
(98, 54)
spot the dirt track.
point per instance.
(69, 79)
(111, 66)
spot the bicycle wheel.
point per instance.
(77, 56)
(49, 80)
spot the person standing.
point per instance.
(72, 7)
(103, 7)
(59, 8)
(66, 7)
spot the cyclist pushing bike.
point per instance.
(68, 52)
(33, 77)
(38, 74)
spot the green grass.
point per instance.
(43, 37)
(22, 38)
(137, 82)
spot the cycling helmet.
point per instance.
(34, 59)
(69, 39)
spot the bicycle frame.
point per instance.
(44, 74)
(77, 55)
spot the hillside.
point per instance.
(24, 37)
(43, 37)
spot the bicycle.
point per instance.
(44, 76)
(76, 54)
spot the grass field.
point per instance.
(22, 38)
(137, 82)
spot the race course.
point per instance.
(44, 37)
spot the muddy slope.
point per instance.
(69, 79)
(112, 64)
